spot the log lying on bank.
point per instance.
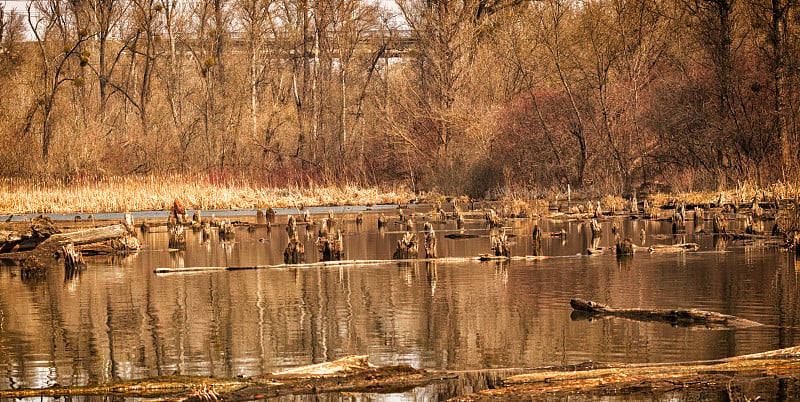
(682, 317)
(349, 374)
(764, 376)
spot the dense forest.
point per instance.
(461, 96)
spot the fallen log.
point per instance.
(53, 244)
(749, 377)
(682, 317)
(349, 374)
(673, 248)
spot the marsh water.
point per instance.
(119, 320)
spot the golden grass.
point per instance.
(142, 193)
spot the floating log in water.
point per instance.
(673, 248)
(683, 317)
(349, 374)
(760, 376)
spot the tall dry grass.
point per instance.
(140, 193)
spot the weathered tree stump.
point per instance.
(260, 218)
(595, 227)
(459, 218)
(291, 227)
(307, 219)
(500, 246)
(758, 212)
(360, 218)
(678, 224)
(536, 237)
(407, 247)
(748, 226)
(125, 244)
(128, 222)
(614, 227)
(295, 252)
(226, 230)
(494, 220)
(655, 213)
(32, 269)
(205, 232)
(625, 247)
(177, 237)
(720, 224)
(699, 216)
(382, 221)
(73, 260)
(177, 214)
(430, 241)
(331, 246)
(634, 207)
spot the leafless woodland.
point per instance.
(461, 96)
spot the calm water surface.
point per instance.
(118, 320)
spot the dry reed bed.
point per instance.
(194, 192)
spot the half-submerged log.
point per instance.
(430, 241)
(407, 247)
(682, 317)
(349, 374)
(52, 245)
(761, 376)
(40, 229)
(673, 248)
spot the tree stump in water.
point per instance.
(382, 221)
(595, 227)
(269, 213)
(678, 224)
(32, 268)
(177, 214)
(407, 247)
(260, 218)
(360, 218)
(226, 230)
(295, 252)
(128, 222)
(177, 237)
(331, 246)
(500, 245)
(206, 232)
(291, 227)
(494, 220)
(699, 217)
(625, 247)
(73, 260)
(430, 241)
(537, 240)
(720, 224)
(126, 244)
(459, 218)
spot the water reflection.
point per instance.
(118, 320)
